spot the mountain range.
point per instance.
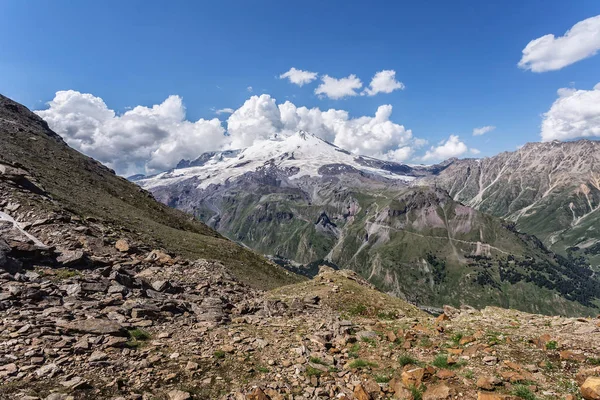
(450, 233)
(105, 293)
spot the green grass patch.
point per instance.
(456, 338)
(594, 360)
(469, 374)
(441, 361)
(426, 342)
(417, 392)
(137, 337)
(386, 315)
(139, 334)
(382, 378)
(370, 341)
(551, 345)
(317, 360)
(523, 392)
(406, 359)
(353, 353)
(262, 369)
(310, 371)
(359, 309)
(61, 274)
(220, 354)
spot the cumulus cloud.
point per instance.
(575, 114)
(260, 117)
(226, 110)
(452, 147)
(550, 53)
(383, 82)
(483, 130)
(298, 76)
(338, 88)
(151, 138)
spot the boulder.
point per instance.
(590, 390)
(440, 391)
(122, 245)
(93, 326)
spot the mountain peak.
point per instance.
(293, 156)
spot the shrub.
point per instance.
(523, 392)
(551, 345)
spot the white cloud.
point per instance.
(151, 138)
(383, 82)
(575, 114)
(249, 88)
(474, 151)
(338, 88)
(483, 130)
(549, 53)
(298, 76)
(226, 110)
(452, 147)
(260, 117)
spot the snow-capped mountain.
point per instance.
(294, 156)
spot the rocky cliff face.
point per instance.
(551, 190)
(302, 199)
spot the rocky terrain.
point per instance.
(551, 190)
(107, 294)
(305, 202)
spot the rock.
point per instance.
(590, 390)
(488, 382)
(360, 393)
(75, 383)
(369, 335)
(93, 326)
(451, 312)
(490, 360)
(494, 396)
(122, 245)
(257, 394)
(48, 370)
(585, 373)
(97, 356)
(160, 286)
(584, 330)
(179, 395)
(440, 391)
(413, 377)
(71, 257)
(569, 355)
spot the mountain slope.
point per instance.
(551, 190)
(57, 179)
(302, 199)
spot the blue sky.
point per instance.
(457, 60)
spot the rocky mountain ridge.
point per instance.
(551, 190)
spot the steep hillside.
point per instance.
(551, 190)
(41, 175)
(302, 199)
